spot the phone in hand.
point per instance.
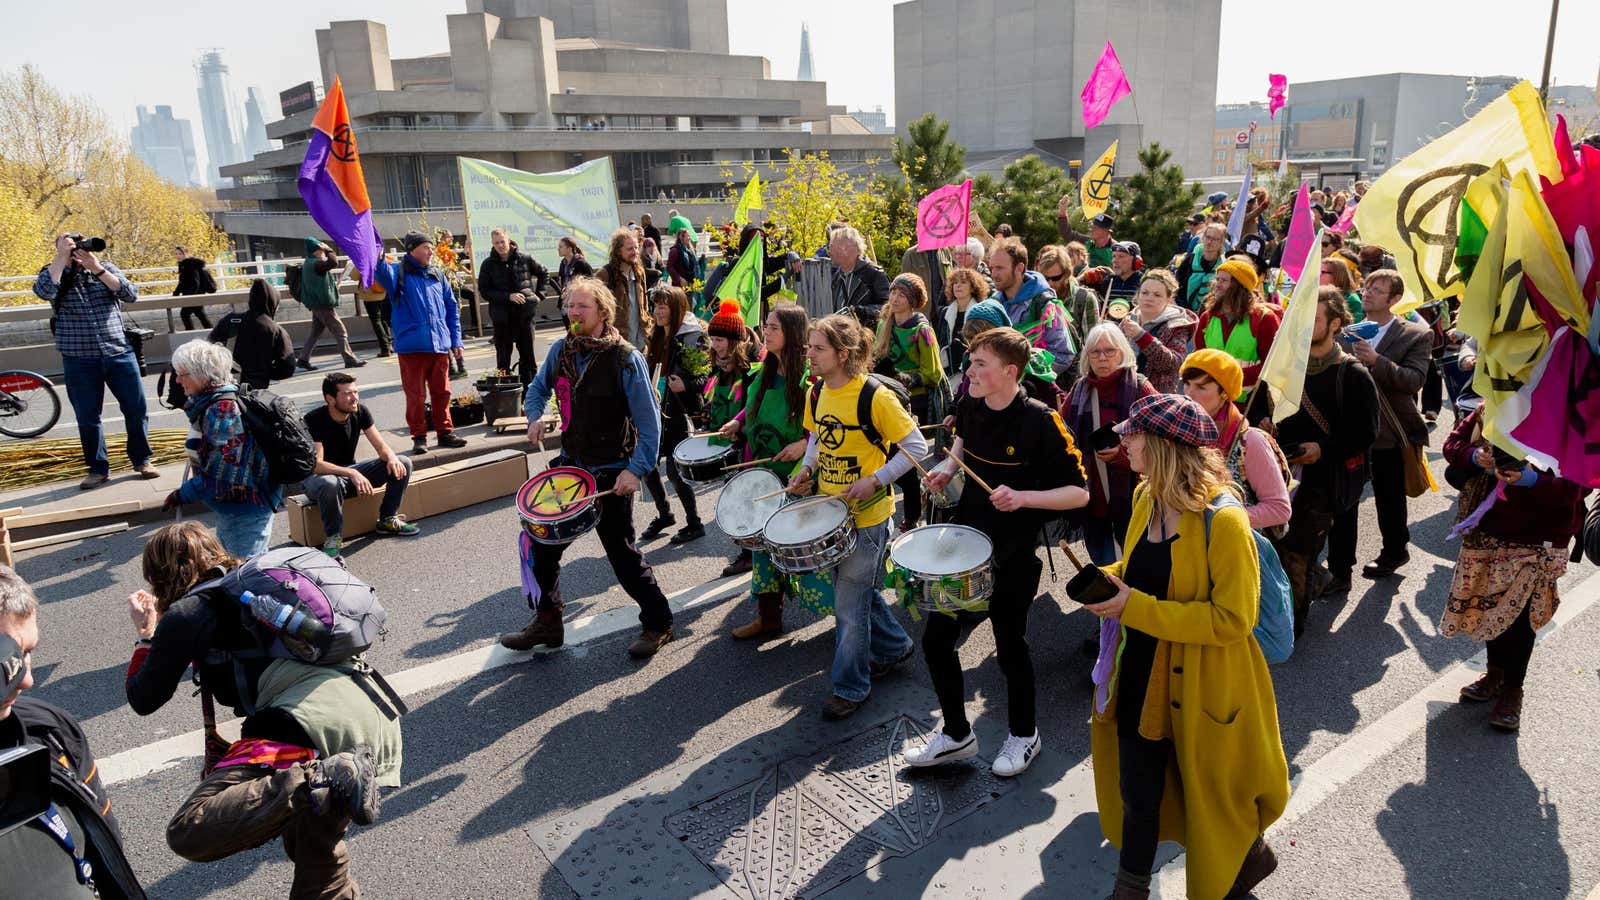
(1104, 438)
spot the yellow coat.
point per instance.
(1211, 693)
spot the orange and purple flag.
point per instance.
(333, 188)
(1107, 84)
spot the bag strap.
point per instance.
(869, 389)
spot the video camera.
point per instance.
(24, 785)
(92, 244)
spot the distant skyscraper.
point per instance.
(806, 73)
(875, 119)
(166, 145)
(219, 115)
(255, 125)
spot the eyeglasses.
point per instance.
(1058, 276)
(1105, 351)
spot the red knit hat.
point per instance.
(728, 322)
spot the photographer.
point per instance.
(34, 862)
(85, 295)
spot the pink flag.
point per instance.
(1107, 84)
(1277, 93)
(1302, 231)
(1346, 219)
(942, 216)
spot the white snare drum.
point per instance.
(700, 461)
(739, 514)
(951, 495)
(946, 568)
(810, 536)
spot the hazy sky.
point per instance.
(119, 60)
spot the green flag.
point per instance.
(744, 284)
(750, 199)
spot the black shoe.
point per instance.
(354, 362)
(1338, 583)
(741, 564)
(657, 527)
(878, 670)
(305, 365)
(451, 439)
(694, 531)
(419, 446)
(1383, 568)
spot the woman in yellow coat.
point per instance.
(1185, 729)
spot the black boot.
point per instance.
(658, 526)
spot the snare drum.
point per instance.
(549, 508)
(951, 495)
(810, 537)
(944, 568)
(740, 515)
(1466, 403)
(700, 461)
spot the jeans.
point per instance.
(378, 315)
(1143, 775)
(87, 378)
(1016, 583)
(327, 318)
(426, 373)
(244, 529)
(1389, 496)
(515, 333)
(865, 631)
(330, 491)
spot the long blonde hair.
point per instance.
(1183, 477)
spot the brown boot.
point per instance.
(1507, 715)
(1259, 862)
(545, 630)
(768, 621)
(1486, 688)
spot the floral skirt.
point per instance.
(812, 590)
(1494, 580)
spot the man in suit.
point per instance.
(1397, 357)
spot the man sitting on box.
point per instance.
(337, 427)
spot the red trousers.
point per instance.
(426, 373)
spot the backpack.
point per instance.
(1274, 629)
(208, 282)
(280, 432)
(864, 407)
(291, 280)
(1235, 462)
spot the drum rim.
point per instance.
(848, 520)
(731, 499)
(697, 442)
(528, 515)
(900, 539)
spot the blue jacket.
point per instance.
(425, 317)
(1055, 338)
(642, 406)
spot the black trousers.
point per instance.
(1313, 515)
(378, 315)
(616, 536)
(673, 432)
(910, 484)
(1016, 583)
(1433, 388)
(194, 312)
(1389, 496)
(515, 332)
(1511, 651)
(1143, 765)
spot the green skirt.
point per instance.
(812, 590)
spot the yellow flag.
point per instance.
(1284, 370)
(1413, 209)
(1094, 187)
(750, 199)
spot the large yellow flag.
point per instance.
(750, 199)
(1413, 209)
(1094, 188)
(1284, 371)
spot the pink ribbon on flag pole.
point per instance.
(1108, 83)
(1277, 94)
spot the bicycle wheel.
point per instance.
(29, 404)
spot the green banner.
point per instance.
(538, 210)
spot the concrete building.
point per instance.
(255, 124)
(219, 114)
(698, 25)
(166, 145)
(805, 73)
(510, 91)
(1009, 82)
(1233, 120)
(1579, 104)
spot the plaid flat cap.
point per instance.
(1170, 416)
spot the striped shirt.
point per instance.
(88, 320)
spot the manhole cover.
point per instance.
(810, 823)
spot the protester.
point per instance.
(194, 279)
(907, 349)
(1118, 287)
(512, 282)
(1336, 273)
(1396, 354)
(1511, 561)
(1213, 379)
(337, 427)
(772, 266)
(677, 354)
(427, 328)
(319, 294)
(38, 863)
(1078, 255)
(650, 256)
(1372, 258)
(1029, 302)
(1081, 303)
(651, 232)
(970, 256)
(85, 296)
(859, 287)
(626, 277)
(963, 287)
(736, 357)
(1099, 239)
(683, 263)
(573, 262)
(230, 470)
(1109, 386)
(375, 302)
(261, 347)
(314, 746)
(1162, 331)
(1187, 594)
(1200, 264)
(1234, 301)
(1190, 237)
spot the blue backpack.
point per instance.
(1274, 629)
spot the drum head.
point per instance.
(1466, 403)
(546, 497)
(696, 449)
(941, 549)
(739, 514)
(800, 524)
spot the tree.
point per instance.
(1025, 199)
(1153, 207)
(50, 141)
(929, 159)
(806, 191)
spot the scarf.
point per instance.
(1229, 422)
(1316, 365)
(575, 344)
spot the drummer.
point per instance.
(734, 365)
(610, 426)
(1022, 449)
(773, 424)
(848, 463)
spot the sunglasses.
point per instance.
(1058, 276)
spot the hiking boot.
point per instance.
(648, 642)
(1259, 862)
(940, 748)
(1486, 688)
(878, 670)
(1507, 715)
(741, 564)
(544, 631)
(768, 621)
(347, 783)
(93, 480)
(1016, 755)
(146, 471)
(451, 439)
(1124, 891)
(333, 545)
(395, 525)
(837, 707)
(419, 446)
(694, 531)
(657, 527)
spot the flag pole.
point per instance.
(1549, 49)
(466, 216)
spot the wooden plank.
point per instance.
(73, 514)
(501, 426)
(8, 513)
(97, 531)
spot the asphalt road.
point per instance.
(520, 779)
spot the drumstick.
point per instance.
(717, 433)
(973, 475)
(782, 490)
(753, 462)
(1068, 551)
(575, 502)
(934, 427)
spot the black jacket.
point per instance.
(863, 292)
(499, 278)
(1347, 398)
(75, 785)
(261, 347)
(572, 268)
(194, 278)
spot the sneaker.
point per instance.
(648, 642)
(1488, 687)
(347, 783)
(837, 707)
(941, 748)
(878, 670)
(1507, 712)
(451, 439)
(419, 446)
(657, 527)
(694, 531)
(146, 471)
(93, 480)
(333, 545)
(395, 525)
(1015, 755)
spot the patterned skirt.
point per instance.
(1495, 580)
(812, 590)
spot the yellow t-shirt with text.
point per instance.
(844, 455)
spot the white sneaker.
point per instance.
(1015, 755)
(940, 749)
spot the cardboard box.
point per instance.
(432, 491)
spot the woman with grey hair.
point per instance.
(1101, 398)
(229, 472)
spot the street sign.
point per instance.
(1241, 141)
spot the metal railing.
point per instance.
(272, 269)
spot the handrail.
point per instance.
(159, 270)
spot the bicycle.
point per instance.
(29, 404)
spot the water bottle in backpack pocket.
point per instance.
(305, 605)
